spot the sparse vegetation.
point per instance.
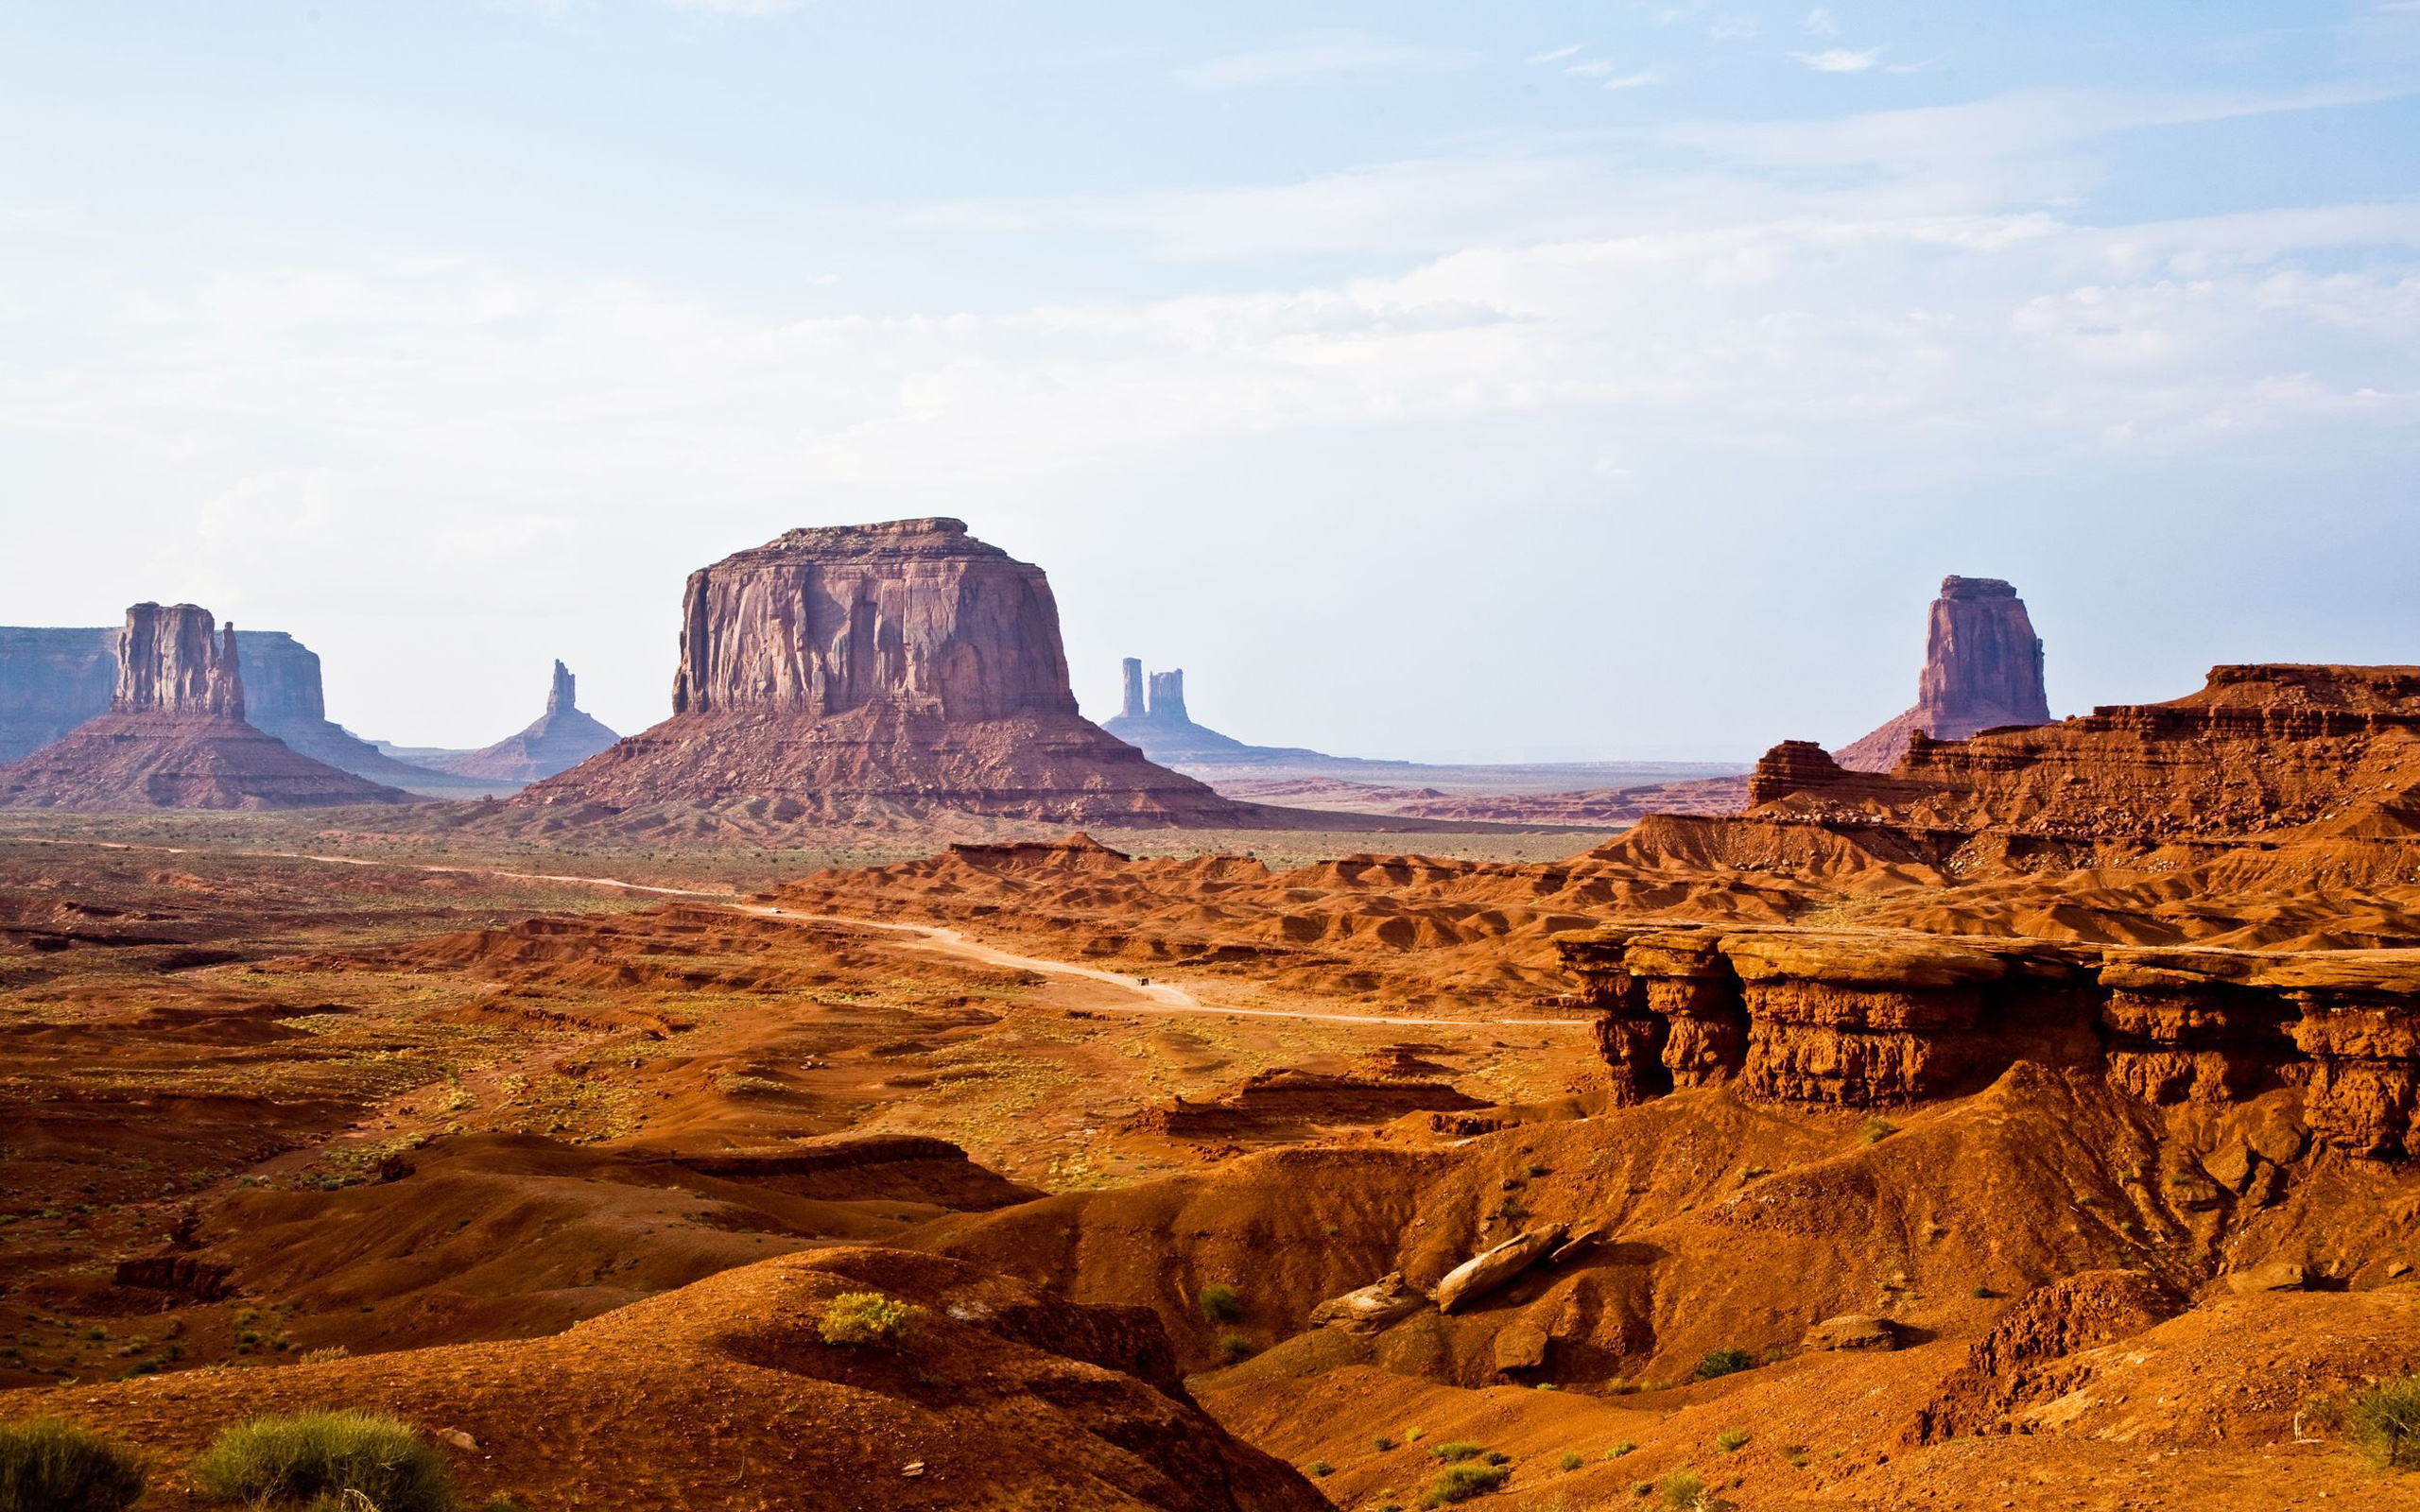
(1220, 1302)
(869, 1318)
(1571, 1460)
(1322, 1468)
(1983, 1292)
(1455, 1451)
(2383, 1422)
(1625, 1447)
(1878, 1129)
(1234, 1346)
(1724, 1363)
(1382, 1443)
(50, 1466)
(1684, 1488)
(324, 1458)
(1730, 1440)
(1460, 1482)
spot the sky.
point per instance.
(1518, 382)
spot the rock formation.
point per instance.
(2258, 751)
(563, 738)
(1864, 1019)
(1983, 671)
(1131, 707)
(1163, 731)
(893, 669)
(174, 734)
(53, 679)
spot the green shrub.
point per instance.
(1322, 1468)
(1730, 1440)
(869, 1318)
(50, 1466)
(1683, 1488)
(314, 1455)
(1220, 1302)
(1724, 1363)
(1456, 1450)
(1878, 1129)
(1625, 1447)
(1571, 1460)
(1382, 1443)
(1460, 1482)
(2383, 1422)
(1234, 1346)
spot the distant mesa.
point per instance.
(1983, 671)
(561, 738)
(174, 734)
(901, 667)
(55, 679)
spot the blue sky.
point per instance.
(1527, 380)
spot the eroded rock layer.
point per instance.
(1873, 1019)
(174, 735)
(904, 666)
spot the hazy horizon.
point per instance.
(1554, 383)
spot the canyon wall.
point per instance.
(883, 670)
(1983, 671)
(1867, 1019)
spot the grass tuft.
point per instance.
(2383, 1422)
(1724, 1363)
(1460, 1482)
(50, 1466)
(327, 1457)
(869, 1318)
(1220, 1302)
(1684, 1488)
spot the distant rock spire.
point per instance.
(1168, 697)
(1133, 705)
(562, 696)
(1982, 670)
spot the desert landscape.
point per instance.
(1238, 758)
(2028, 1123)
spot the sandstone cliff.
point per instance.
(174, 734)
(561, 738)
(51, 680)
(1883, 1018)
(1982, 670)
(891, 668)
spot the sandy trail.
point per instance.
(1134, 994)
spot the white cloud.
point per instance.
(1318, 53)
(1733, 28)
(1556, 56)
(1819, 23)
(1644, 75)
(1842, 60)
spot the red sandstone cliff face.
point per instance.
(2260, 751)
(889, 668)
(1875, 1019)
(175, 737)
(1982, 670)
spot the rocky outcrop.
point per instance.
(890, 669)
(1983, 671)
(1881, 1018)
(174, 735)
(1131, 705)
(561, 738)
(51, 680)
(2260, 749)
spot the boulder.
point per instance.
(1371, 1309)
(1850, 1330)
(1490, 1268)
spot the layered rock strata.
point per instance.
(1982, 670)
(561, 739)
(898, 667)
(174, 735)
(1874, 1019)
